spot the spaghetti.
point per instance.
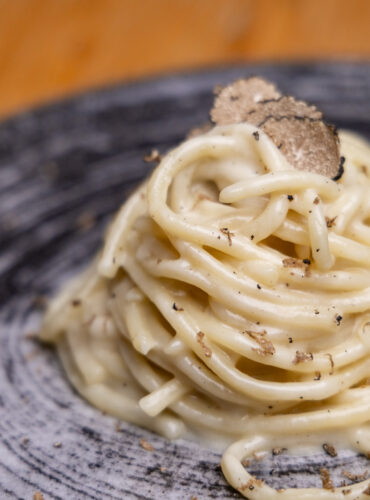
(232, 297)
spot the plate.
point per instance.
(64, 169)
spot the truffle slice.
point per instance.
(295, 126)
(285, 106)
(307, 144)
(234, 102)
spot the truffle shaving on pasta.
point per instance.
(232, 294)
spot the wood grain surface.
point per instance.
(80, 157)
(52, 47)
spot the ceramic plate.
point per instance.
(64, 169)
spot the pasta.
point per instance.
(232, 297)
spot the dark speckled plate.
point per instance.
(63, 167)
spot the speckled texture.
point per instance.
(83, 156)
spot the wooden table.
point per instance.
(49, 48)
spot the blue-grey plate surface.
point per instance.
(61, 167)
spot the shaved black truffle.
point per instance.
(297, 128)
(283, 107)
(340, 169)
(307, 144)
(234, 102)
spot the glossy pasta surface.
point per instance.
(231, 297)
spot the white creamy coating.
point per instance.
(232, 297)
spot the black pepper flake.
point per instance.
(338, 319)
(316, 201)
(340, 169)
(258, 286)
(330, 222)
(252, 236)
(176, 308)
(290, 197)
(76, 302)
(306, 261)
(290, 340)
(256, 135)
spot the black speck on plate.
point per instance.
(64, 169)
